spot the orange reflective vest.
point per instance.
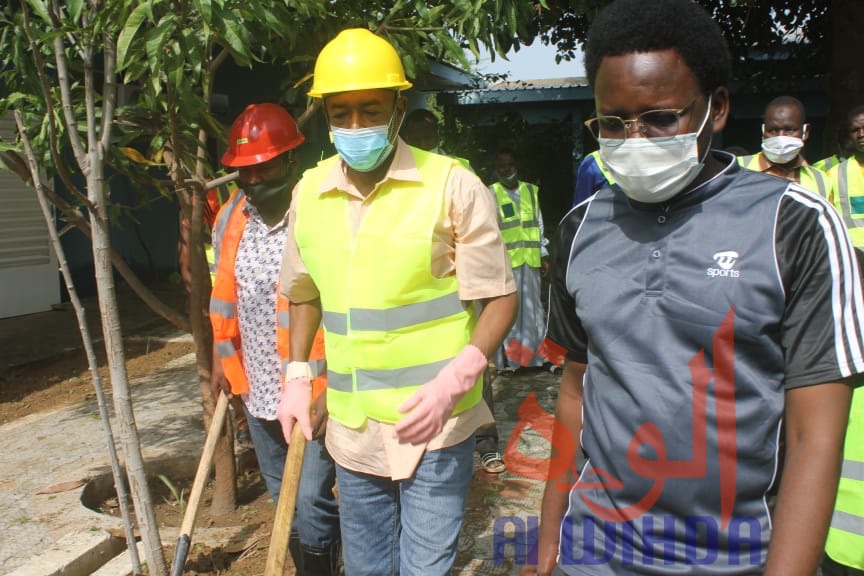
(230, 224)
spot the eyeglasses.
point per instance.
(655, 124)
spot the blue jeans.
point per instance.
(317, 514)
(408, 527)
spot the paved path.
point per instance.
(68, 445)
(494, 497)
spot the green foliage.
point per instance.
(168, 52)
(179, 495)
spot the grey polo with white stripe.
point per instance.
(637, 292)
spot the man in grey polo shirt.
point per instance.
(707, 312)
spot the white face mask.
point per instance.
(782, 149)
(650, 171)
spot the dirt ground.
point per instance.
(65, 379)
(244, 555)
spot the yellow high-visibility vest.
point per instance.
(826, 164)
(520, 228)
(845, 542)
(222, 196)
(848, 183)
(390, 324)
(812, 178)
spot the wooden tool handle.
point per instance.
(287, 502)
(201, 476)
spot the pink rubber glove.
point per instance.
(296, 400)
(431, 406)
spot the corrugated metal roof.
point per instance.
(548, 84)
(571, 82)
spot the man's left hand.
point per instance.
(429, 408)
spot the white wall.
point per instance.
(29, 275)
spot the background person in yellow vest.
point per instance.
(784, 131)
(420, 129)
(844, 549)
(394, 247)
(250, 337)
(847, 178)
(522, 228)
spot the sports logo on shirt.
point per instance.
(725, 260)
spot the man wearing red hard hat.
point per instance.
(250, 322)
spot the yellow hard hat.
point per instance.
(357, 59)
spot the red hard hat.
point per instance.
(259, 134)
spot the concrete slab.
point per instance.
(75, 554)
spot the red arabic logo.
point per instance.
(562, 460)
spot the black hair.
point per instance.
(853, 112)
(787, 101)
(630, 26)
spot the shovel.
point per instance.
(181, 550)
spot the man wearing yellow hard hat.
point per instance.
(393, 248)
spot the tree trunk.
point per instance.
(112, 334)
(225, 493)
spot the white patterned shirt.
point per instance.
(259, 258)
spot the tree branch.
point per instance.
(59, 164)
(109, 90)
(218, 60)
(68, 112)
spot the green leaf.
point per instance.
(75, 8)
(40, 9)
(205, 8)
(231, 32)
(128, 33)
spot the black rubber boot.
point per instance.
(327, 562)
(296, 551)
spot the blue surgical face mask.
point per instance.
(363, 149)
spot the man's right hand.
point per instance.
(296, 400)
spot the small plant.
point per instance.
(179, 495)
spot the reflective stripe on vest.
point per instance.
(227, 233)
(390, 324)
(815, 181)
(365, 319)
(848, 184)
(520, 230)
(826, 164)
(845, 542)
